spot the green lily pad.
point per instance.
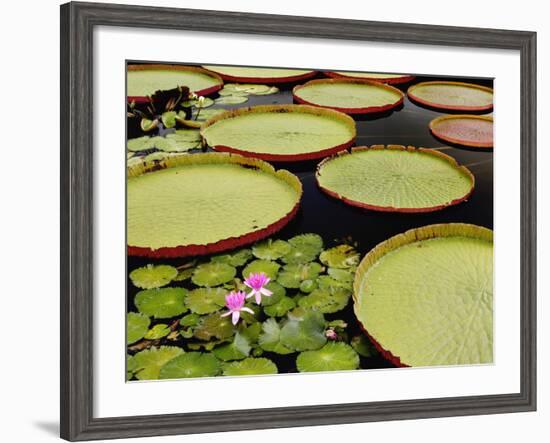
(340, 257)
(307, 286)
(147, 363)
(213, 274)
(250, 366)
(271, 249)
(155, 157)
(206, 103)
(183, 140)
(206, 114)
(278, 292)
(239, 258)
(232, 92)
(157, 332)
(162, 302)
(252, 332)
(251, 88)
(150, 277)
(269, 268)
(139, 144)
(189, 365)
(148, 125)
(184, 274)
(270, 91)
(334, 356)
(130, 367)
(238, 349)
(363, 346)
(292, 275)
(280, 308)
(305, 333)
(136, 326)
(190, 320)
(169, 119)
(260, 75)
(205, 300)
(325, 300)
(342, 275)
(231, 100)
(270, 338)
(305, 248)
(327, 282)
(214, 326)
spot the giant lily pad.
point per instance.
(145, 80)
(474, 131)
(395, 179)
(348, 95)
(334, 356)
(452, 96)
(136, 326)
(260, 75)
(161, 303)
(250, 366)
(150, 276)
(426, 296)
(191, 364)
(207, 203)
(146, 364)
(391, 79)
(280, 132)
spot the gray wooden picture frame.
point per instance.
(77, 216)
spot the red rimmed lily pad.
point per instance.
(145, 80)
(206, 203)
(351, 96)
(452, 96)
(283, 133)
(390, 79)
(473, 131)
(244, 74)
(425, 297)
(395, 179)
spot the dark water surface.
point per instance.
(334, 220)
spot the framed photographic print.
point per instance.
(273, 221)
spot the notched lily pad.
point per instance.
(270, 338)
(269, 268)
(205, 300)
(271, 249)
(278, 292)
(250, 366)
(239, 258)
(304, 248)
(157, 332)
(238, 349)
(325, 300)
(340, 257)
(162, 302)
(213, 274)
(304, 333)
(190, 320)
(231, 100)
(334, 356)
(189, 365)
(214, 326)
(136, 326)
(147, 363)
(292, 275)
(150, 276)
(280, 308)
(363, 346)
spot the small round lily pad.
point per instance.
(250, 366)
(334, 356)
(162, 302)
(231, 100)
(150, 276)
(304, 248)
(238, 349)
(136, 326)
(304, 333)
(278, 292)
(280, 308)
(238, 258)
(271, 249)
(270, 338)
(191, 364)
(213, 274)
(292, 275)
(214, 326)
(146, 364)
(205, 300)
(268, 267)
(157, 332)
(325, 300)
(341, 256)
(205, 114)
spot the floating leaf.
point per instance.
(325, 300)
(214, 326)
(191, 364)
(136, 326)
(169, 119)
(252, 332)
(213, 274)
(232, 92)
(250, 366)
(147, 363)
(238, 349)
(207, 102)
(270, 338)
(269, 268)
(150, 277)
(334, 356)
(342, 275)
(231, 100)
(130, 367)
(280, 308)
(341, 257)
(270, 91)
(251, 88)
(205, 300)
(239, 258)
(363, 346)
(184, 274)
(190, 320)
(292, 275)
(161, 303)
(157, 332)
(305, 333)
(305, 248)
(327, 282)
(155, 156)
(206, 114)
(271, 249)
(278, 292)
(308, 285)
(139, 144)
(148, 125)
(183, 140)
(247, 316)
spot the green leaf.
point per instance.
(130, 367)
(148, 125)
(341, 257)
(238, 349)
(151, 276)
(184, 274)
(169, 119)
(164, 144)
(270, 338)
(278, 292)
(292, 275)
(334, 356)
(184, 140)
(147, 363)
(205, 300)
(139, 144)
(190, 320)
(214, 326)
(271, 249)
(189, 365)
(250, 366)
(363, 346)
(239, 258)
(307, 286)
(136, 326)
(305, 333)
(157, 332)
(325, 300)
(162, 302)
(213, 274)
(326, 282)
(280, 308)
(269, 268)
(342, 275)
(231, 100)
(206, 114)
(252, 332)
(304, 248)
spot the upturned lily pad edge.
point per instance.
(398, 79)
(263, 80)
(414, 98)
(364, 205)
(457, 141)
(411, 236)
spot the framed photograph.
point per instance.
(273, 221)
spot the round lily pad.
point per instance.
(146, 364)
(391, 79)
(231, 100)
(139, 144)
(280, 308)
(270, 338)
(136, 326)
(250, 366)
(304, 248)
(145, 80)
(278, 292)
(280, 132)
(452, 96)
(349, 95)
(292, 275)
(238, 349)
(363, 346)
(207, 203)
(214, 326)
(304, 333)
(395, 179)
(238, 258)
(213, 274)
(205, 114)
(268, 267)
(325, 300)
(150, 276)
(334, 356)
(205, 300)
(191, 364)
(158, 331)
(341, 257)
(425, 297)
(260, 75)
(271, 249)
(342, 275)
(474, 131)
(162, 302)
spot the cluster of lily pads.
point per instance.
(237, 93)
(233, 313)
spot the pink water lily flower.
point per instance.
(257, 282)
(234, 301)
